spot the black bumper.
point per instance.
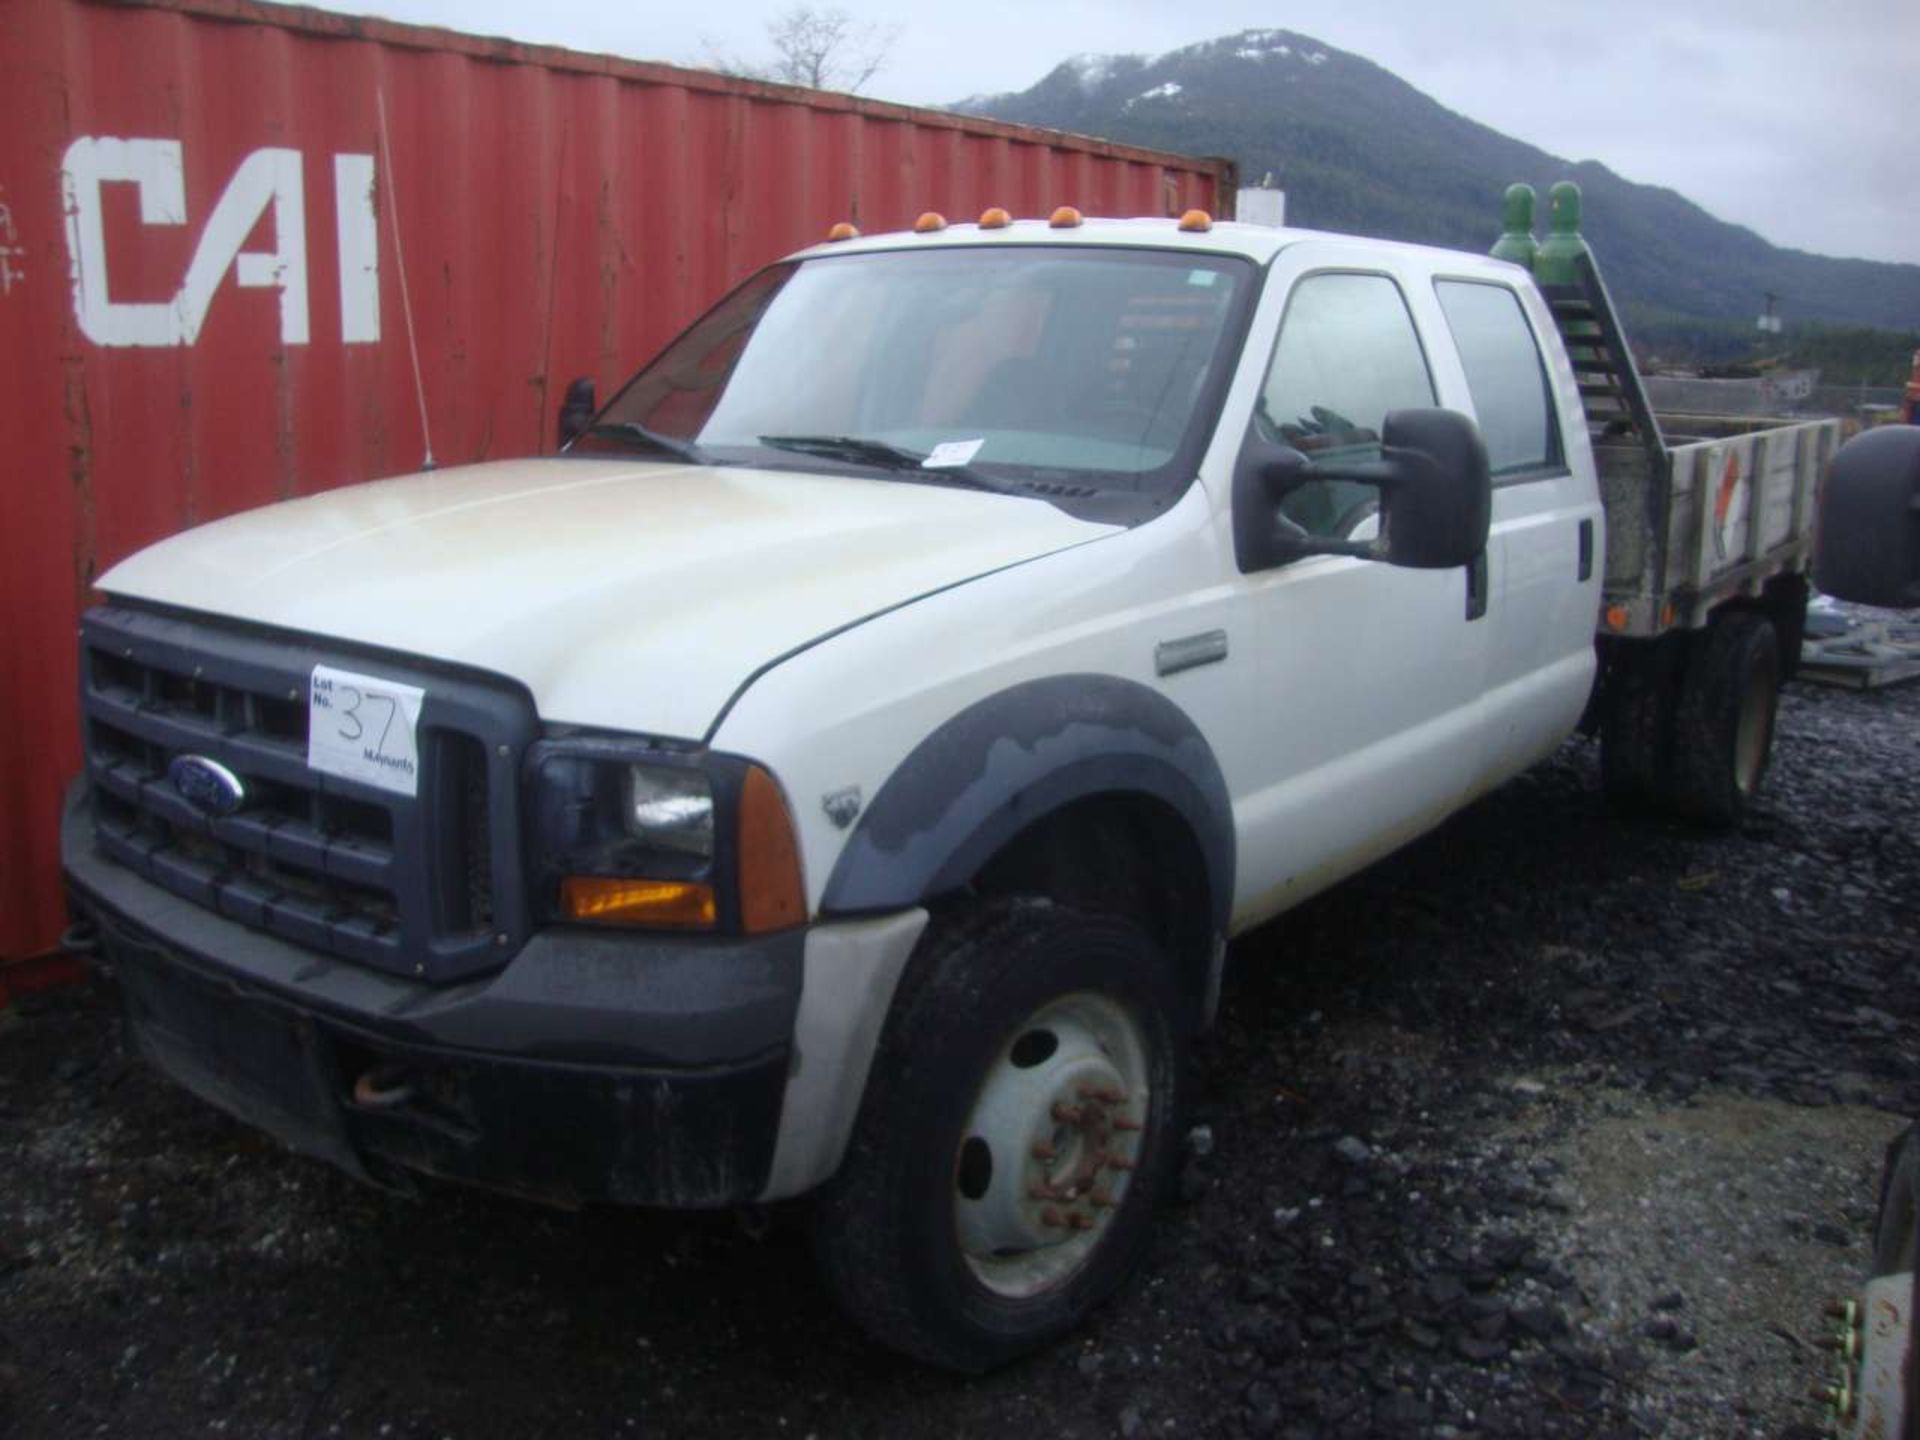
(640, 1071)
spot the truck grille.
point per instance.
(424, 885)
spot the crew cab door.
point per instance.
(1547, 546)
(1363, 721)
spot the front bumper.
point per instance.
(637, 1070)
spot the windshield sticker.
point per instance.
(951, 453)
(1205, 279)
(361, 727)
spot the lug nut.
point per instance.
(1043, 1150)
(1119, 1162)
(1120, 1122)
(1067, 1114)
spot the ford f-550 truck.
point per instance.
(839, 773)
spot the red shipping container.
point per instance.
(226, 228)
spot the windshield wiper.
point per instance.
(636, 433)
(878, 453)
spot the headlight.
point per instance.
(672, 809)
(624, 836)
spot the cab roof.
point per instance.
(1259, 243)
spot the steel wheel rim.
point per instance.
(1047, 1155)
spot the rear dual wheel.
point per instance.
(1018, 1126)
(1723, 723)
(1688, 723)
(1636, 724)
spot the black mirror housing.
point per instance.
(1436, 495)
(1437, 507)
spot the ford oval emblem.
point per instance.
(207, 784)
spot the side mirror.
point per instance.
(576, 410)
(1436, 496)
(1437, 506)
(1867, 549)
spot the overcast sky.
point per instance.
(1801, 120)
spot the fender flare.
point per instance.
(1015, 757)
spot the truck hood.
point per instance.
(629, 595)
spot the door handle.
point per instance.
(1477, 586)
(1586, 551)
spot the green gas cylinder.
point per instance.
(1516, 242)
(1553, 265)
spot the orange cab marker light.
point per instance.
(1196, 220)
(772, 896)
(928, 223)
(995, 219)
(1065, 218)
(622, 900)
(1666, 615)
(845, 230)
(1616, 617)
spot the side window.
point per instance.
(1348, 353)
(1505, 375)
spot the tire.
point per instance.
(1893, 1227)
(1636, 724)
(1867, 548)
(1894, 1230)
(1016, 1020)
(1786, 607)
(1723, 724)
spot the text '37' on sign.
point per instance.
(363, 728)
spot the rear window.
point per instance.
(1506, 376)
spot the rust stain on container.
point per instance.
(205, 221)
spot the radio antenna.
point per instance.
(400, 263)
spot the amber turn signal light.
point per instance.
(772, 896)
(670, 904)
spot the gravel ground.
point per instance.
(1554, 1124)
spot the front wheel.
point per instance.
(1019, 1123)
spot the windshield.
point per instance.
(1042, 369)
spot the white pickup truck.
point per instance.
(839, 773)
